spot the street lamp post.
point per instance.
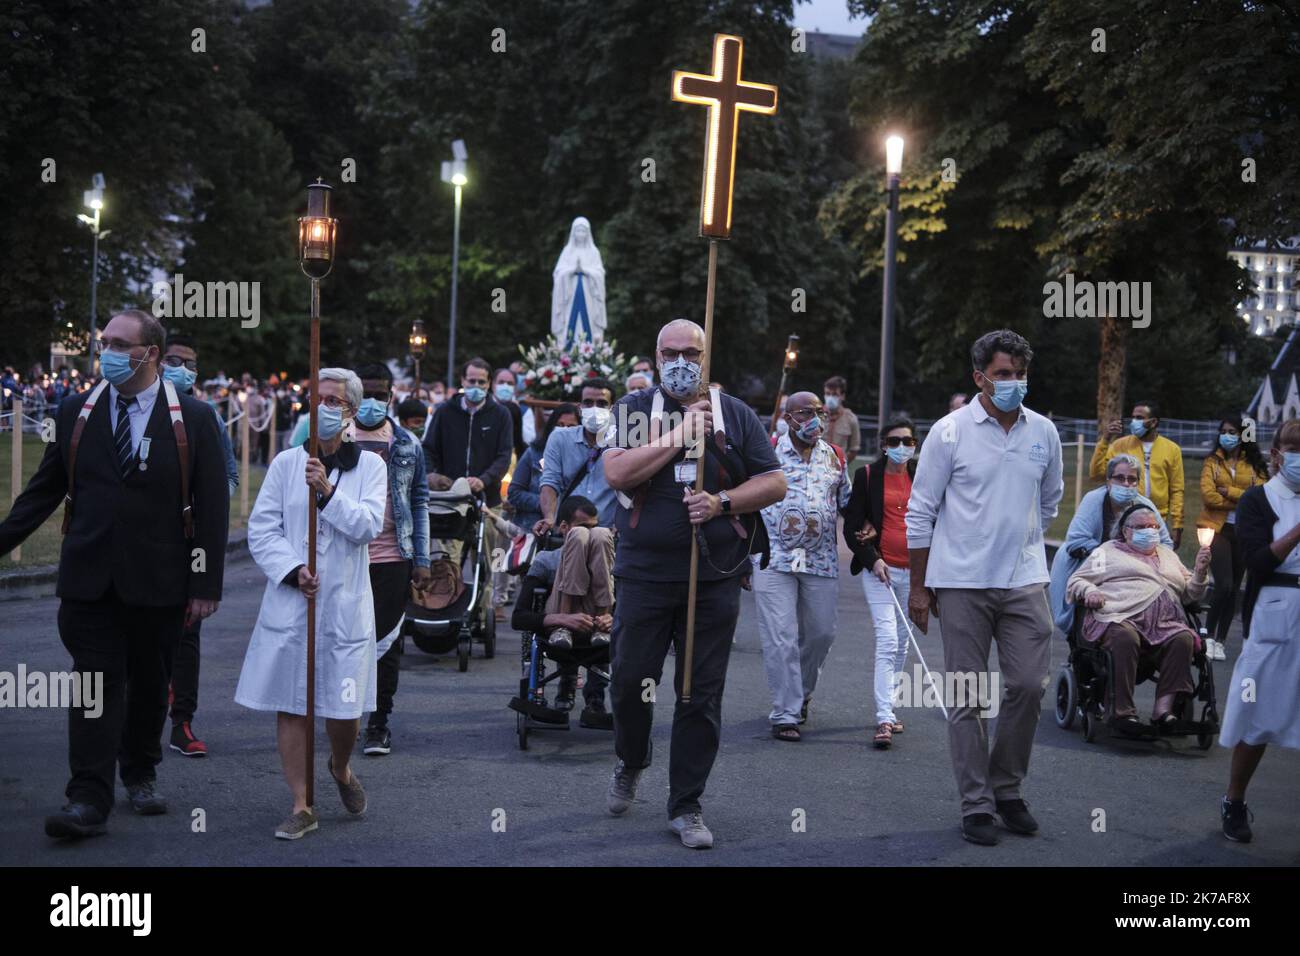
(893, 166)
(417, 341)
(93, 198)
(453, 171)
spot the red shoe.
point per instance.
(184, 741)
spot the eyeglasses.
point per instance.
(807, 413)
(175, 361)
(331, 401)
(595, 403)
(118, 345)
(1125, 479)
(893, 441)
(672, 355)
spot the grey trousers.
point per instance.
(1020, 620)
(796, 621)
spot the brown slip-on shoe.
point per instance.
(352, 794)
(297, 826)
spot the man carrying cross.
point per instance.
(648, 462)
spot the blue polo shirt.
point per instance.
(566, 452)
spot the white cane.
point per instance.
(912, 637)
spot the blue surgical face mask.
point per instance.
(504, 392)
(1229, 442)
(1137, 426)
(1291, 466)
(900, 454)
(1009, 393)
(371, 412)
(179, 376)
(475, 394)
(329, 422)
(832, 402)
(1123, 494)
(117, 367)
(1144, 539)
(681, 378)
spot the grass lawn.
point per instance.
(43, 545)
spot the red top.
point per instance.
(893, 536)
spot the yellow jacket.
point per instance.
(1216, 474)
(1166, 472)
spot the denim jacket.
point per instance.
(408, 489)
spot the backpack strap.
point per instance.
(80, 426)
(183, 450)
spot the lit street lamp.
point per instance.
(93, 198)
(893, 166)
(418, 342)
(791, 361)
(453, 171)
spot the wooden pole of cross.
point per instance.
(726, 95)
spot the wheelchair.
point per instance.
(1085, 683)
(531, 710)
(471, 618)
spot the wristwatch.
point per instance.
(725, 501)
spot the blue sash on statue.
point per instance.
(579, 310)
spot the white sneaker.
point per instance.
(561, 637)
(690, 827)
(599, 638)
(1219, 653)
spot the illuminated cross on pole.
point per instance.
(725, 94)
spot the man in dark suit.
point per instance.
(138, 560)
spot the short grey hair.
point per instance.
(1123, 458)
(679, 324)
(351, 384)
(645, 381)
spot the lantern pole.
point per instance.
(791, 361)
(316, 238)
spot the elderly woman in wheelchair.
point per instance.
(1133, 589)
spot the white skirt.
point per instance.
(1263, 698)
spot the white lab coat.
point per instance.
(274, 676)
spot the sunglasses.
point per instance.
(895, 440)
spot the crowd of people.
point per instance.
(624, 478)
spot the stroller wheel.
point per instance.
(490, 633)
(462, 654)
(1209, 724)
(521, 728)
(1067, 697)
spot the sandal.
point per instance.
(884, 736)
(787, 732)
(1165, 722)
(1129, 726)
(897, 727)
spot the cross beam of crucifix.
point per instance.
(725, 94)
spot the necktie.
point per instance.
(122, 435)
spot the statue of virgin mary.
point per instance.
(578, 289)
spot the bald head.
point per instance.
(802, 400)
(680, 334)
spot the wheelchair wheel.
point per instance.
(1091, 723)
(1205, 739)
(462, 653)
(490, 634)
(1067, 697)
(521, 728)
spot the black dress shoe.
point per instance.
(595, 717)
(979, 828)
(145, 801)
(75, 821)
(1016, 816)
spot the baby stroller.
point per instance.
(1085, 681)
(457, 611)
(531, 709)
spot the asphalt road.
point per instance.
(456, 768)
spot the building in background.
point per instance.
(1272, 267)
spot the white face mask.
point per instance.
(595, 419)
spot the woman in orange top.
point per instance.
(1234, 466)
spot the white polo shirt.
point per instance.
(982, 497)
